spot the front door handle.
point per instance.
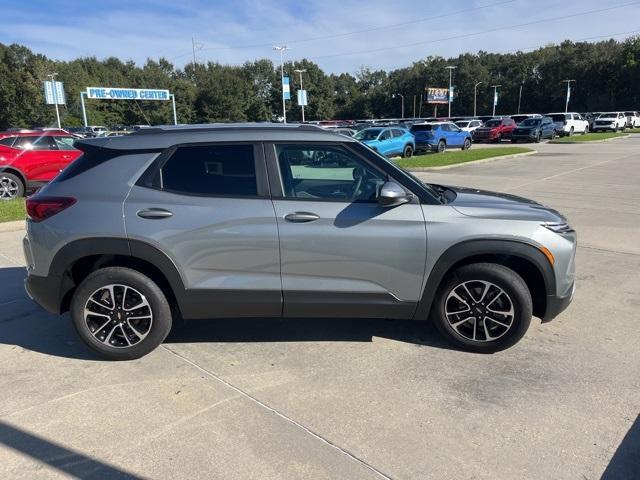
(301, 217)
(154, 213)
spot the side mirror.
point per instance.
(392, 195)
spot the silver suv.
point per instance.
(283, 221)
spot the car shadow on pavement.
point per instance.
(64, 460)
(26, 325)
(305, 330)
(625, 464)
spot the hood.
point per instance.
(485, 204)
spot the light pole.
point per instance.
(281, 49)
(401, 96)
(300, 71)
(495, 98)
(520, 95)
(566, 105)
(52, 76)
(475, 94)
(450, 68)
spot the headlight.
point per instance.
(561, 228)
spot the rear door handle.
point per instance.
(154, 213)
(301, 217)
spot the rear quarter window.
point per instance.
(212, 170)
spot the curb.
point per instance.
(474, 162)
(590, 141)
(14, 226)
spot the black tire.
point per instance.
(512, 285)
(442, 146)
(11, 186)
(513, 140)
(553, 135)
(498, 139)
(586, 130)
(467, 144)
(571, 132)
(159, 307)
(407, 152)
(537, 138)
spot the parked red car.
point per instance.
(494, 130)
(29, 159)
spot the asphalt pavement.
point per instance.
(353, 399)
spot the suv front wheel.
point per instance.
(483, 307)
(120, 313)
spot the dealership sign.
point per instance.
(105, 93)
(437, 95)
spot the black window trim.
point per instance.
(262, 184)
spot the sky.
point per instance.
(339, 35)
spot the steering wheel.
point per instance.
(359, 175)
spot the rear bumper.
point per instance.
(425, 146)
(45, 291)
(556, 305)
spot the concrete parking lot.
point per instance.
(354, 399)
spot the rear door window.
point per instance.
(214, 170)
(36, 143)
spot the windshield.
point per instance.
(368, 134)
(609, 114)
(519, 118)
(530, 122)
(463, 124)
(493, 123)
(558, 118)
(421, 128)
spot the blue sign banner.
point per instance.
(302, 98)
(286, 91)
(105, 93)
(54, 93)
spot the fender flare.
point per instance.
(470, 248)
(86, 247)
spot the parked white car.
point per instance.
(569, 123)
(469, 125)
(633, 119)
(610, 121)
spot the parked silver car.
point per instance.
(283, 221)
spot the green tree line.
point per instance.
(607, 75)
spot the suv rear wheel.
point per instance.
(407, 152)
(442, 146)
(120, 313)
(10, 186)
(483, 307)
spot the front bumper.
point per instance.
(529, 136)
(556, 305)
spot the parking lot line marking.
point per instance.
(568, 172)
(279, 414)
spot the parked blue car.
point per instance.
(388, 141)
(438, 136)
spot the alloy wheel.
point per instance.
(118, 315)
(8, 188)
(479, 310)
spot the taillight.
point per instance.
(41, 208)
